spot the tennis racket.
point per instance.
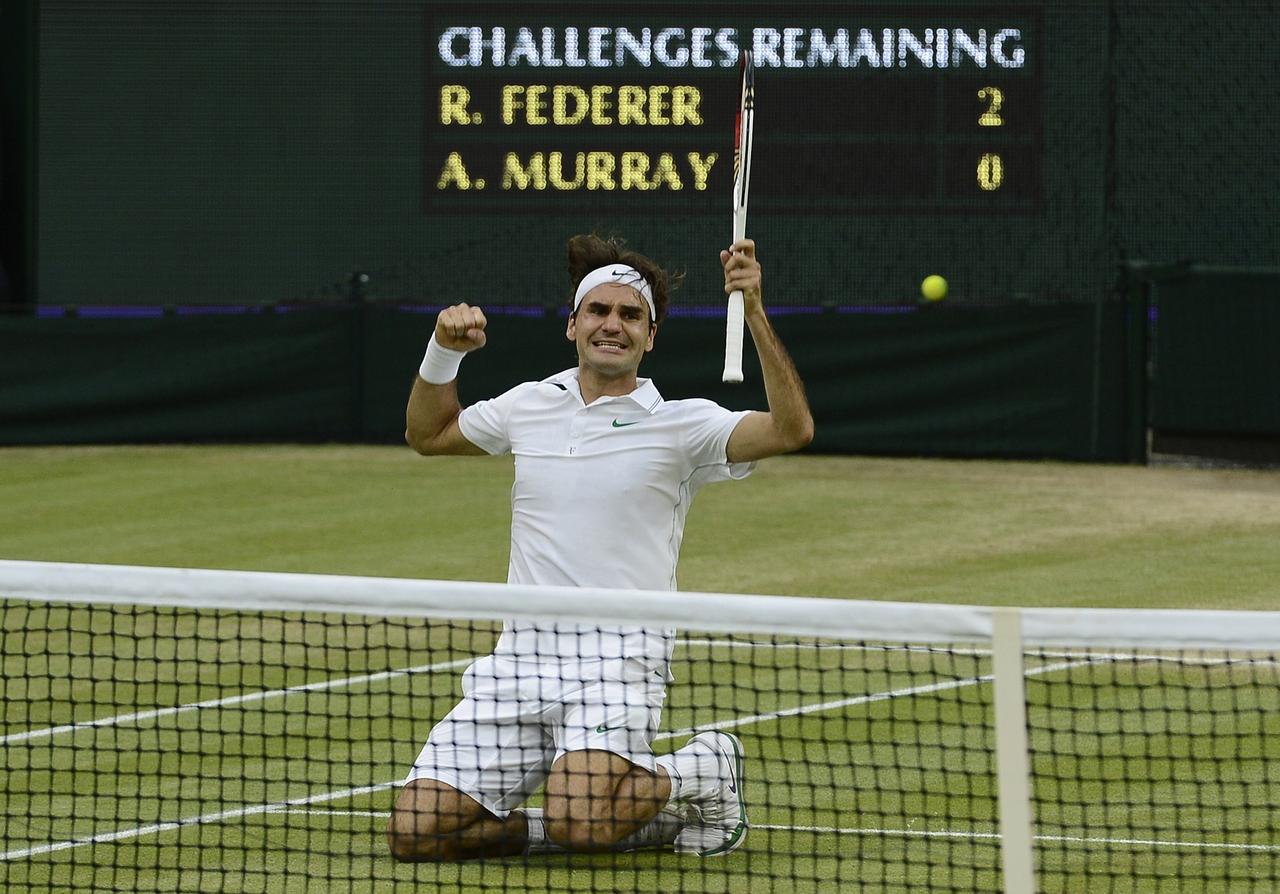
(741, 184)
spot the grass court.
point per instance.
(171, 750)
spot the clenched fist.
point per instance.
(461, 328)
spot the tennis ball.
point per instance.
(934, 288)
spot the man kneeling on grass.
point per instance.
(604, 473)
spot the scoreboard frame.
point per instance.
(862, 138)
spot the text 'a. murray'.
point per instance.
(590, 170)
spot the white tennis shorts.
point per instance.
(517, 717)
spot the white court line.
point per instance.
(995, 836)
(249, 698)
(236, 700)
(244, 699)
(1167, 657)
(338, 795)
(238, 813)
(937, 833)
(230, 701)
(863, 699)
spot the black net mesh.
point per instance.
(163, 749)
(1155, 771)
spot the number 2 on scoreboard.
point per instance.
(994, 97)
(991, 165)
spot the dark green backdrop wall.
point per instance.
(169, 151)
(252, 152)
(1024, 382)
(1214, 356)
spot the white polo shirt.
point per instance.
(600, 498)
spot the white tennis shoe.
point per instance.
(718, 816)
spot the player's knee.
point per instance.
(402, 839)
(558, 828)
(581, 835)
(411, 838)
(570, 835)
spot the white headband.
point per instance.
(622, 274)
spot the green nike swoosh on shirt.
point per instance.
(617, 424)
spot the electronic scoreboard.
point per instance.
(549, 107)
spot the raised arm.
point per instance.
(431, 419)
(788, 424)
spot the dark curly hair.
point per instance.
(589, 252)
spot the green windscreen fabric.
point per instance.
(943, 381)
(1216, 365)
(247, 377)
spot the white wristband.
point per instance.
(440, 364)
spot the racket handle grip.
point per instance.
(733, 339)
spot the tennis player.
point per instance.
(604, 473)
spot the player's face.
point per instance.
(612, 330)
